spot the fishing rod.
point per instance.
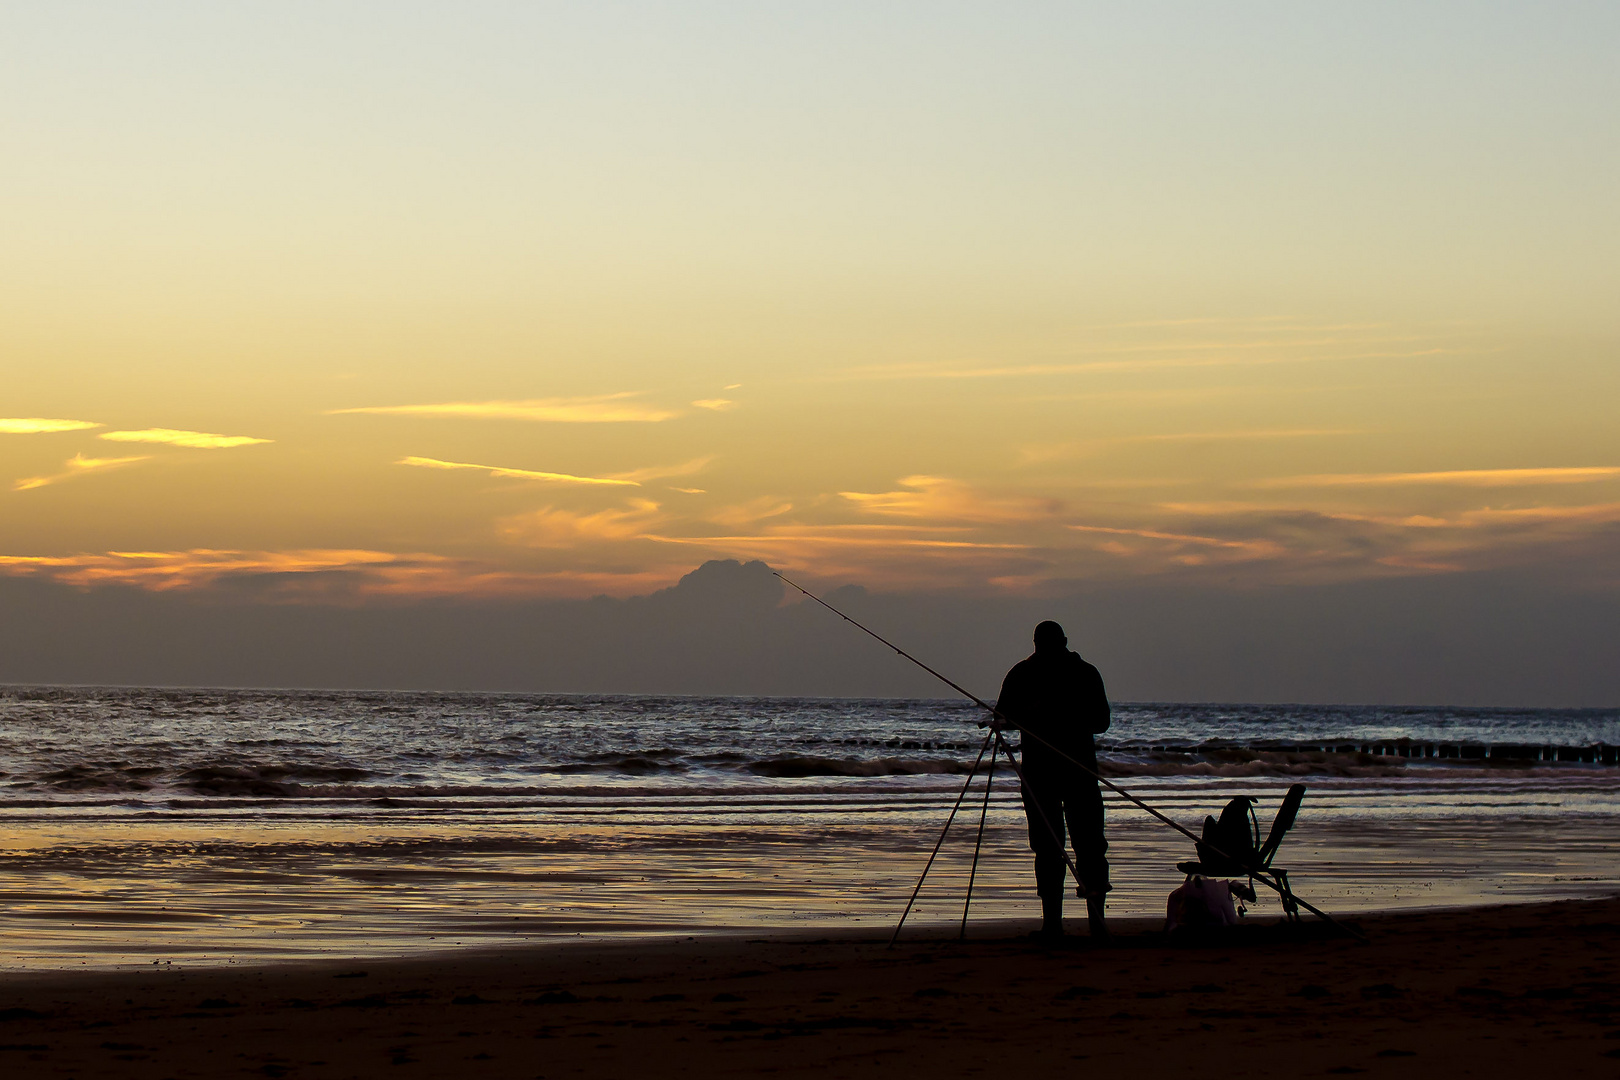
(975, 698)
(997, 721)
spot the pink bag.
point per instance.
(1200, 902)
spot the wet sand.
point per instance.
(121, 893)
(1531, 988)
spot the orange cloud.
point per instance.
(520, 474)
(829, 536)
(36, 425)
(1255, 548)
(749, 512)
(659, 472)
(330, 575)
(1045, 452)
(1309, 543)
(162, 570)
(606, 409)
(897, 557)
(1468, 477)
(1416, 562)
(195, 440)
(717, 404)
(938, 498)
(550, 527)
(1137, 358)
(77, 465)
(1596, 514)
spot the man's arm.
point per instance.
(1007, 703)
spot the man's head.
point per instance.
(1049, 637)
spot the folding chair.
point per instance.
(1231, 846)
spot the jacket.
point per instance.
(1058, 698)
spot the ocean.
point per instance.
(170, 826)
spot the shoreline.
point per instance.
(1470, 991)
(1137, 930)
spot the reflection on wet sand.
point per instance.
(111, 889)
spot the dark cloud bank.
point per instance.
(1481, 639)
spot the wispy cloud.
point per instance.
(1598, 513)
(660, 472)
(519, 474)
(195, 440)
(329, 575)
(717, 404)
(1221, 436)
(801, 538)
(1044, 452)
(38, 425)
(1257, 548)
(77, 465)
(633, 478)
(1308, 543)
(938, 498)
(899, 557)
(1501, 519)
(550, 527)
(1126, 358)
(162, 570)
(1467, 477)
(606, 409)
(753, 510)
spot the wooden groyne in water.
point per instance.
(1502, 753)
(1517, 753)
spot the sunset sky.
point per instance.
(553, 300)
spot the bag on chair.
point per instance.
(1231, 845)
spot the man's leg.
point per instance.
(1044, 816)
(1083, 807)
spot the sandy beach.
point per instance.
(1472, 992)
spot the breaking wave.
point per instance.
(669, 773)
(794, 766)
(182, 748)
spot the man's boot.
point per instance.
(1052, 916)
(1094, 913)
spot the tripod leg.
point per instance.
(941, 841)
(989, 778)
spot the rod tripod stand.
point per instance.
(996, 744)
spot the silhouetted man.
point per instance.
(1057, 700)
